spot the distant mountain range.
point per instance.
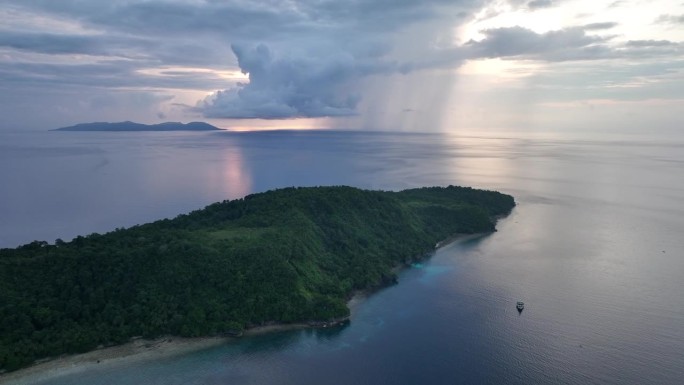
(132, 126)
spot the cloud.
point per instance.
(56, 43)
(251, 21)
(301, 58)
(568, 44)
(564, 44)
(304, 58)
(287, 87)
(115, 74)
(537, 4)
(322, 74)
(651, 43)
(651, 49)
(599, 26)
(670, 19)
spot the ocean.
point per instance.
(594, 248)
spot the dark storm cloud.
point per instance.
(316, 86)
(344, 43)
(290, 87)
(318, 50)
(303, 58)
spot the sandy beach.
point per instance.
(138, 350)
(134, 351)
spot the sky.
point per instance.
(405, 65)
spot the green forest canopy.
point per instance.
(288, 255)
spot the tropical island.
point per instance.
(293, 255)
(132, 126)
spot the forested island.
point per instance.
(288, 255)
(132, 126)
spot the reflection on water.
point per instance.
(58, 185)
(232, 177)
(594, 249)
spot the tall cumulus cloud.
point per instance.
(288, 87)
(302, 58)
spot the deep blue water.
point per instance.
(594, 248)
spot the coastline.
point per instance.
(133, 351)
(140, 350)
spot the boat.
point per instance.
(520, 305)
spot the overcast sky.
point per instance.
(429, 65)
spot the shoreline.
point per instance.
(140, 350)
(134, 351)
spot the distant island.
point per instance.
(293, 255)
(132, 126)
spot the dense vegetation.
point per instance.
(288, 255)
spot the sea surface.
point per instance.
(595, 249)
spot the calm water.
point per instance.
(594, 248)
